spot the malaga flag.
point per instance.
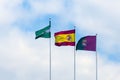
(87, 43)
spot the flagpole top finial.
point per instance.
(74, 27)
(49, 19)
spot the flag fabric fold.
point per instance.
(65, 38)
(87, 43)
(44, 33)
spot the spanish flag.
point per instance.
(65, 38)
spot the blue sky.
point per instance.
(24, 58)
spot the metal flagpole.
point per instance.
(50, 50)
(75, 58)
(96, 60)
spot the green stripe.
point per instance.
(79, 45)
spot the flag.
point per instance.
(44, 33)
(65, 38)
(87, 43)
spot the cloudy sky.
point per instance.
(24, 58)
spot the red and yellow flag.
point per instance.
(65, 38)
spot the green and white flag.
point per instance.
(44, 33)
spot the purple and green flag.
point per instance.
(87, 43)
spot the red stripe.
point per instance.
(65, 32)
(65, 44)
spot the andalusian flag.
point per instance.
(65, 38)
(87, 43)
(44, 33)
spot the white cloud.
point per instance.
(44, 7)
(8, 11)
(18, 56)
(109, 70)
(23, 58)
(110, 7)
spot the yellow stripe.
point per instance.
(65, 38)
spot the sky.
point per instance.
(24, 58)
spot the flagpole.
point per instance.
(75, 58)
(96, 60)
(50, 50)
